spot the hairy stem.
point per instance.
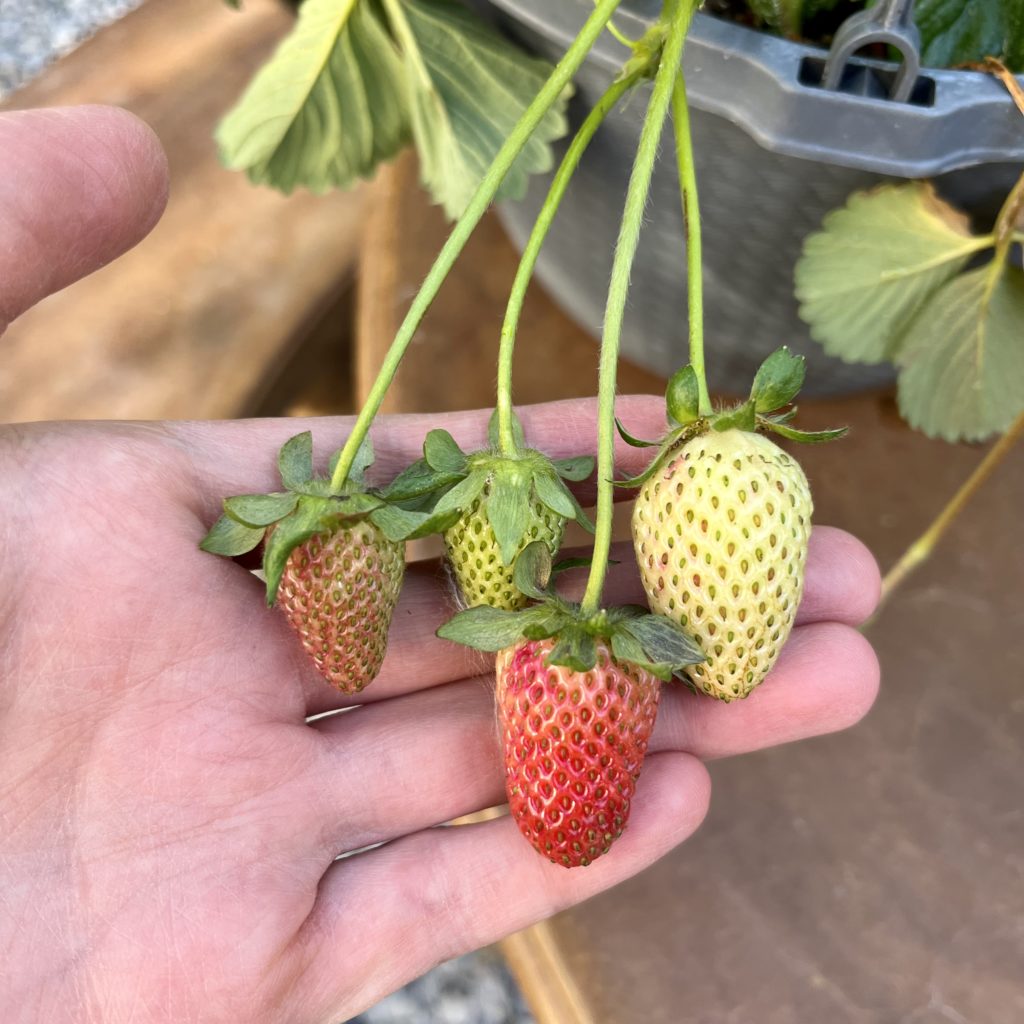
(922, 548)
(534, 245)
(485, 192)
(680, 13)
(694, 237)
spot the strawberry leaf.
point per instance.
(508, 512)
(682, 397)
(957, 31)
(568, 564)
(805, 436)
(467, 87)
(962, 364)
(463, 494)
(230, 538)
(436, 522)
(417, 480)
(490, 629)
(862, 279)
(575, 469)
(532, 572)
(553, 493)
(295, 461)
(633, 442)
(575, 648)
(442, 454)
(398, 524)
(778, 381)
(327, 108)
(309, 518)
(579, 515)
(360, 464)
(663, 641)
(626, 647)
(258, 510)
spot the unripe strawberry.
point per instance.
(333, 557)
(338, 591)
(574, 745)
(720, 533)
(474, 554)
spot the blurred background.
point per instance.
(876, 876)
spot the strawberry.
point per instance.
(476, 556)
(574, 744)
(338, 591)
(720, 535)
(489, 505)
(721, 525)
(334, 557)
(577, 696)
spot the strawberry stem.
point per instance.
(678, 14)
(920, 551)
(694, 242)
(536, 242)
(477, 206)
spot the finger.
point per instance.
(842, 585)
(440, 893)
(826, 679)
(402, 765)
(78, 187)
(405, 764)
(240, 457)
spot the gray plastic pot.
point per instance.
(775, 152)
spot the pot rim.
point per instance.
(753, 79)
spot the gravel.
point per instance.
(35, 32)
(475, 989)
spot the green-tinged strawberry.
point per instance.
(721, 527)
(577, 697)
(333, 560)
(574, 744)
(338, 591)
(489, 506)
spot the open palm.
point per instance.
(170, 822)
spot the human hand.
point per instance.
(169, 821)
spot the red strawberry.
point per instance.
(338, 591)
(574, 746)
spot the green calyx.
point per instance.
(777, 383)
(307, 506)
(648, 641)
(447, 481)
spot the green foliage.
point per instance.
(884, 281)
(956, 31)
(963, 358)
(953, 32)
(778, 381)
(356, 80)
(327, 108)
(865, 275)
(468, 87)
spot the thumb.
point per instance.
(78, 187)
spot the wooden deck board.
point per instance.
(199, 319)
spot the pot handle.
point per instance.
(889, 21)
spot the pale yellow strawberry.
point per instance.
(720, 534)
(475, 555)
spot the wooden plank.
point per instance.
(874, 876)
(197, 321)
